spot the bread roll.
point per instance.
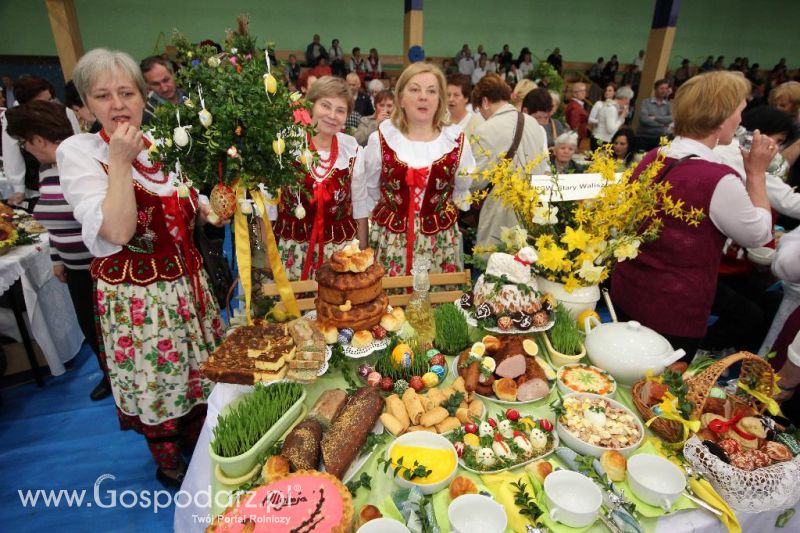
(458, 385)
(540, 469)
(462, 485)
(427, 403)
(361, 339)
(476, 408)
(390, 323)
(505, 389)
(396, 407)
(330, 333)
(413, 405)
(614, 464)
(368, 512)
(463, 415)
(492, 343)
(434, 416)
(392, 424)
(399, 315)
(448, 424)
(276, 466)
(421, 428)
(436, 397)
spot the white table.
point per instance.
(193, 514)
(50, 314)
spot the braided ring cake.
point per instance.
(357, 317)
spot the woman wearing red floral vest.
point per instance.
(157, 319)
(330, 209)
(670, 285)
(416, 172)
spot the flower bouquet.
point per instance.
(579, 241)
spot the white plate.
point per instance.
(505, 402)
(471, 321)
(556, 441)
(357, 353)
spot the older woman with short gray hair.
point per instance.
(158, 320)
(561, 158)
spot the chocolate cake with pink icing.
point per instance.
(304, 502)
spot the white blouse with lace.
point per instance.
(415, 154)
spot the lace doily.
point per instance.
(351, 352)
(764, 489)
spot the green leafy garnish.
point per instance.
(525, 502)
(416, 471)
(453, 402)
(678, 387)
(363, 480)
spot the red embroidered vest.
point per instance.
(154, 254)
(437, 212)
(339, 223)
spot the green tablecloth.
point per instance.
(382, 484)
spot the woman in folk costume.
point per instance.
(416, 170)
(158, 320)
(330, 208)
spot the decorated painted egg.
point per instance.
(439, 371)
(378, 332)
(438, 359)
(430, 380)
(416, 383)
(181, 136)
(279, 146)
(245, 207)
(365, 370)
(387, 384)
(505, 323)
(183, 191)
(432, 352)
(205, 117)
(214, 61)
(374, 379)
(300, 212)
(223, 200)
(270, 84)
(345, 335)
(400, 386)
(402, 356)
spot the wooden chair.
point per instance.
(439, 279)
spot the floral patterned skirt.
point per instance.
(293, 255)
(442, 248)
(155, 341)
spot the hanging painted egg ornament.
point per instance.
(214, 62)
(223, 200)
(181, 136)
(205, 117)
(270, 84)
(299, 212)
(245, 207)
(183, 191)
(279, 146)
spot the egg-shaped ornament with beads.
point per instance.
(223, 200)
(181, 136)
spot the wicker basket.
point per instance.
(756, 372)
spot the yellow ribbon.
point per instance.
(273, 255)
(243, 260)
(668, 408)
(772, 405)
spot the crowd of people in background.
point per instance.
(430, 121)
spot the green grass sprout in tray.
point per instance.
(565, 335)
(248, 421)
(452, 332)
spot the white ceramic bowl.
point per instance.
(566, 390)
(655, 480)
(584, 448)
(383, 525)
(573, 499)
(476, 513)
(761, 256)
(425, 439)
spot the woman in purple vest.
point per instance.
(670, 286)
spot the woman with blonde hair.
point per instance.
(415, 169)
(681, 266)
(520, 91)
(329, 209)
